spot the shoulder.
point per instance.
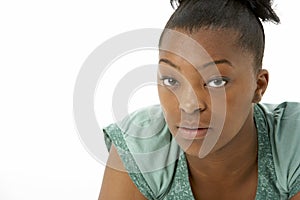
(283, 121)
(284, 132)
(285, 109)
(146, 148)
(144, 126)
(116, 177)
(143, 123)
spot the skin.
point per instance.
(186, 93)
(116, 182)
(229, 169)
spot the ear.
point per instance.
(262, 79)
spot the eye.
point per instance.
(167, 81)
(217, 82)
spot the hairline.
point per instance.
(238, 39)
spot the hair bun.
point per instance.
(261, 8)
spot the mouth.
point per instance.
(192, 133)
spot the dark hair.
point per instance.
(244, 16)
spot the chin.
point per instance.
(190, 147)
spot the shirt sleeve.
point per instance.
(146, 149)
(285, 140)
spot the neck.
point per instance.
(232, 164)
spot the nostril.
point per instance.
(191, 108)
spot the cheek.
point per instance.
(240, 96)
(169, 102)
(238, 106)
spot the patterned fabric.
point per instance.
(278, 154)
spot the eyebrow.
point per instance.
(215, 62)
(169, 63)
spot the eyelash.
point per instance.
(223, 79)
(207, 84)
(163, 79)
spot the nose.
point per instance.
(192, 101)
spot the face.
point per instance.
(207, 87)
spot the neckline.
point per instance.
(264, 156)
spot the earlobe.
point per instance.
(257, 96)
(262, 80)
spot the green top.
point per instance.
(158, 166)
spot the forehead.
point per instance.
(202, 46)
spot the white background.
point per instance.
(42, 47)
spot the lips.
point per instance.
(192, 133)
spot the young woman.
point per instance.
(210, 138)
